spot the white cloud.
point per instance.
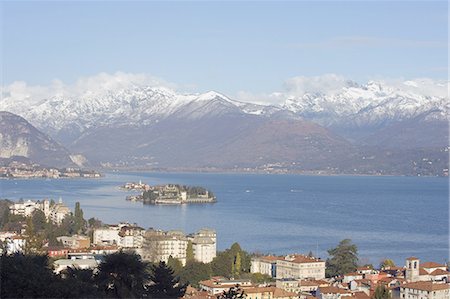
(97, 84)
(326, 84)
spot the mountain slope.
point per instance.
(18, 138)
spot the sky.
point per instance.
(230, 47)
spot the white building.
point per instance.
(24, 208)
(300, 267)
(13, 243)
(160, 245)
(265, 265)
(131, 236)
(58, 212)
(428, 271)
(204, 245)
(425, 290)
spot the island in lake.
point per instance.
(169, 194)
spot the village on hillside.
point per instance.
(258, 276)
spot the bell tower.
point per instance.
(412, 269)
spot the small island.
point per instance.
(169, 194)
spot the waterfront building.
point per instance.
(159, 246)
(131, 236)
(24, 208)
(424, 290)
(204, 245)
(265, 264)
(58, 212)
(300, 267)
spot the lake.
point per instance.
(386, 217)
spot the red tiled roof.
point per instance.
(426, 286)
(439, 272)
(431, 265)
(333, 290)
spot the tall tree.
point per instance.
(33, 241)
(175, 265)
(343, 259)
(194, 272)
(381, 292)
(80, 223)
(189, 252)
(122, 275)
(165, 284)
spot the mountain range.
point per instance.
(371, 128)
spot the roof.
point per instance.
(277, 292)
(300, 259)
(431, 265)
(426, 286)
(360, 295)
(333, 290)
(353, 274)
(439, 272)
(412, 258)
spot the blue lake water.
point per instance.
(394, 217)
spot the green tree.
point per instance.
(194, 272)
(233, 293)
(79, 222)
(381, 292)
(175, 265)
(189, 252)
(165, 284)
(79, 283)
(343, 259)
(387, 263)
(33, 242)
(237, 264)
(39, 220)
(122, 275)
(28, 276)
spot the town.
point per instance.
(169, 194)
(50, 228)
(14, 170)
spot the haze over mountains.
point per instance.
(348, 127)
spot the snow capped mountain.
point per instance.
(135, 105)
(368, 105)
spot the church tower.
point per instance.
(412, 269)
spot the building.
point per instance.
(131, 236)
(204, 245)
(269, 293)
(13, 243)
(108, 235)
(217, 285)
(300, 267)
(428, 271)
(265, 265)
(80, 262)
(425, 290)
(75, 241)
(58, 212)
(159, 246)
(332, 292)
(24, 208)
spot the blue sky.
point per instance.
(224, 46)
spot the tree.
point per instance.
(27, 276)
(344, 259)
(233, 293)
(387, 263)
(79, 283)
(381, 292)
(194, 272)
(165, 284)
(175, 265)
(39, 220)
(122, 275)
(79, 222)
(33, 242)
(189, 252)
(237, 264)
